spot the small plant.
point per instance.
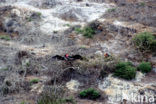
(112, 10)
(125, 70)
(4, 69)
(153, 45)
(78, 30)
(68, 25)
(23, 102)
(28, 64)
(89, 94)
(5, 37)
(70, 100)
(86, 31)
(33, 81)
(143, 41)
(144, 67)
(29, 19)
(39, 14)
(142, 3)
(55, 32)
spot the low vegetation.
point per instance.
(33, 81)
(125, 70)
(4, 69)
(111, 10)
(87, 32)
(54, 95)
(5, 37)
(144, 67)
(145, 41)
(142, 3)
(89, 93)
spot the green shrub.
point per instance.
(112, 10)
(68, 25)
(125, 70)
(4, 69)
(34, 81)
(86, 31)
(39, 14)
(142, 3)
(23, 102)
(143, 41)
(153, 45)
(5, 37)
(89, 94)
(144, 67)
(78, 30)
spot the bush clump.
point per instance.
(153, 45)
(5, 37)
(33, 81)
(144, 67)
(144, 41)
(125, 70)
(87, 32)
(89, 94)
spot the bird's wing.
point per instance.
(58, 57)
(75, 57)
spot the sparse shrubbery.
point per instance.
(153, 45)
(142, 3)
(39, 14)
(4, 69)
(5, 37)
(86, 31)
(144, 41)
(144, 67)
(112, 10)
(125, 70)
(54, 95)
(89, 94)
(23, 102)
(33, 81)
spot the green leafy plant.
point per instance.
(144, 67)
(89, 94)
(29, 19)
(142, 3)
(23, 102)
(70, 100)
(39, 14)
(86, 31)
(68, 25)
(153, 45)
(33, 81)
(143, 41)
(5, 37)
(78, 30)
(4, 69)
(28, 64)
(112, 10)
(125, 70)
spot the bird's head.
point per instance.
(66, 55)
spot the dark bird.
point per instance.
(68, 58)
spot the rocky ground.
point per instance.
(36, 30)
